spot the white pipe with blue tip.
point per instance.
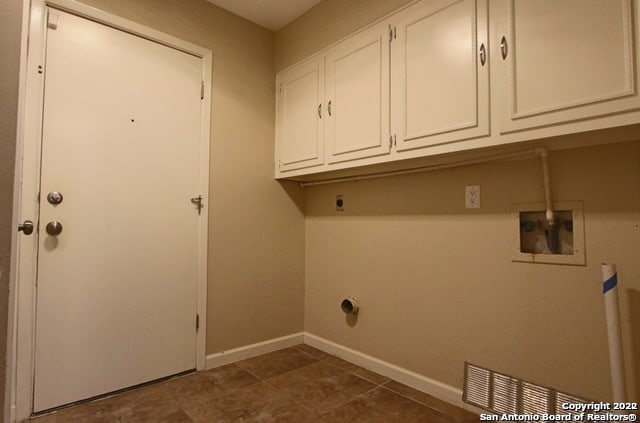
(614, 332)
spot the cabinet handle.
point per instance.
(329, 107)
(320, 110)
(504, 48)
(483, 54)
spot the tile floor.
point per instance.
(297, 384)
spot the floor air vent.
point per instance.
(503, 394)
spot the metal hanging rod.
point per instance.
(524, 153)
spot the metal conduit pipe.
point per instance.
(421, 169)
(542, 152)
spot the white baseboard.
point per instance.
(253, 350)
(417, 381)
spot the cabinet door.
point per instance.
(358, 96)
(439, 73)
(300, 117)
(561, 61)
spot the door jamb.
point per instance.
(21, 348)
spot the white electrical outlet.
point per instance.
(472, 197)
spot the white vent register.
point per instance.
(503, 394)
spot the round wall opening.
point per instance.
(349, 305)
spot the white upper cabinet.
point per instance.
(439, 73)
(442, 76)
(357, 96)
(300, 116)
(562, 61)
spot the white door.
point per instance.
(358, 96)
(117, 288)
(440, 73)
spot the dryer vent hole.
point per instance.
(349, 306)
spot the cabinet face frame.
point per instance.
(503, 126)
(427, 16)
(513, 116)
(347, 69)
(302, 146)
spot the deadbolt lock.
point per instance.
(54, 197)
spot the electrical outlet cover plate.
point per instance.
(472, 196)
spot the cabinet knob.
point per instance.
(329, 107)
(504, 48)
(483, 54)
(320, 111)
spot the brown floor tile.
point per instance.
(104, 410)
(277, 362)
(320, 355)
(356, 410)
(177, 416)
(358, 371)
(321, 386)
(145, 404)
(150, 404)
(191, 391)
(257, 402)
(300, 384)
(383, 405)
(457, 413)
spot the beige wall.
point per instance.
(10, 27)
(436, 282)
(256, 227)
(327, 22)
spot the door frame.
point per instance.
(22, 301)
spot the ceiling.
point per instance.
(271, 14)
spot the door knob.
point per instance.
(26, 227)
(54, 228)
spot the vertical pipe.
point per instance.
(610, 292)
(544, 155)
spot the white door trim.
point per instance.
(21, 350)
